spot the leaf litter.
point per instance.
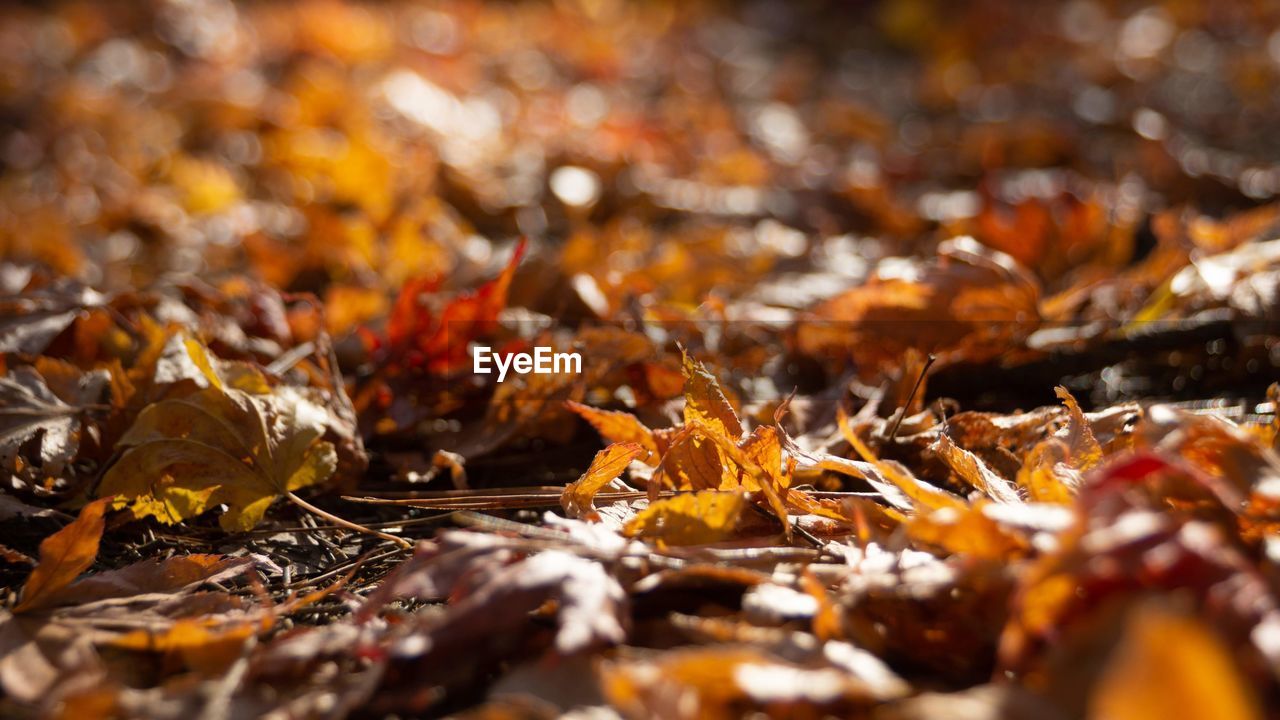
(920, 378)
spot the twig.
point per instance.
(805, 534)
(345, 523)
(903, 412)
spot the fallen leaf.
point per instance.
(607, 465)
(31, 413)
(695, 518)
(220, 445)
(1169, 665)
(64, 555)
(972, 470)
(1085, 451)
(704, 401)
(618, 427)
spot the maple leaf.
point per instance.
(441, 342)
(64, 555)
(607, 465)
(617, 427)
(220, 445)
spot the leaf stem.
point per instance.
(344, 523)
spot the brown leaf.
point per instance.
(972, 470)
(168, 575)
(31, 413)
(237, 442)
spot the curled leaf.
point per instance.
(974, 471)
(1085, 450)
(607, 465)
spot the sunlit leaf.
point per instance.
(696, 518)
(607, 465)
(64, 555)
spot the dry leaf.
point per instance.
(64, 555)
(1085, 451)
(220, 445)
(607, 465)
(1169, 665)
(695, 518)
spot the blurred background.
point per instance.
(656, 152)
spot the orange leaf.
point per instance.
(203, 647)
(607, 465)
(921, 494)
(974, 471)
(64, 555)
(1085, 451)
(618, 427)
(692, 463)
(1041, 476)
(705, 402)
(1168, 665)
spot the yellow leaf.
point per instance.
(704, 402)
(692, 463)
(1041, 477)
(1171, 666)
(607, 465)
(221, 445)
(764, 448)
(920, 493)
(64, 555)
(695, 518)
(968, 532)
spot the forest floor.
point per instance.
(928, 360)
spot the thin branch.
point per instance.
(903, 412)
(344, 523)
